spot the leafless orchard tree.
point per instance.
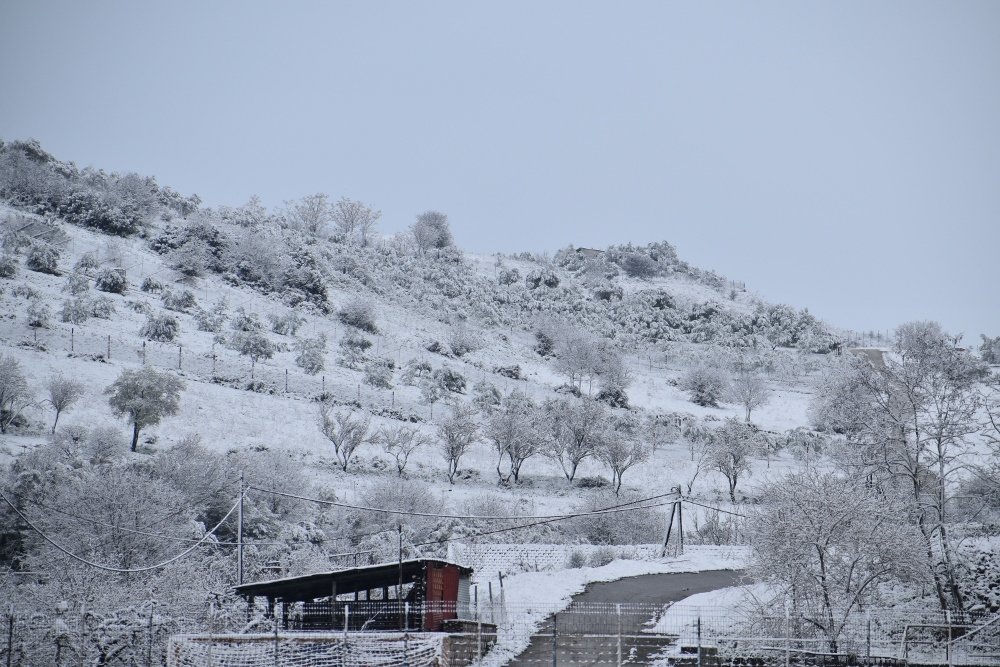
(458, 432)
(573, 428)
(513, 428)
(400, 442)
(749, 389)
(622, 447)
(730, 449)
(345, 432)
(63, 393)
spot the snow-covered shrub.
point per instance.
(102, 307)
(705, 384)
(311, 354)
(609, 293)
(212, 320)
(414, 371)
(111, 280)
(576, 559)
(162, 328)
(639, 265)
(77, 283)
(513, 372)
(539, 277)
(38, 314)
(638, 527)
(151, 285)
(508, 276)
(44, 259)
(360, 314)
(181, 302)
(25, 291)
(352, 350)
(246, 321)
(486, 396)
(8, 266)
(614, 396)
(601, 556)
(87, 262)
(450, 379)
(75, 311)
(286, 324)
(462, 341)
(378, 373)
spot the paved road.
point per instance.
(650, 589)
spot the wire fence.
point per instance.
(216, 364)
(389, 632)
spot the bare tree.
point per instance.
(354, 220)
(312, 213)
(750, 390)
(513, 429)
(345, 432)
(63, 393)
(458, 433)
(622, 447)
(400, 442)
(573, 428)
(730, 450)
(15, 394)
(578, 357)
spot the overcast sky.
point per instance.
(843, 157)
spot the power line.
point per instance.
(717, 509)
(620, 508)
(116, 569)
(174, 538)
(470, 517)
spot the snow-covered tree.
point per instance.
(458, 432)
(400, 442)
(749, 389)
(253, 344)
(621, 447)
(705, 383)
(144, 396)
(573, 432)
(355, 221)
(730, 450)
(63, 393)
(431, 231)
(912, 416)
(346, 432)
(513, 429)
(15, 394)
(828, 542)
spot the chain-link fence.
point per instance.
(348, 632)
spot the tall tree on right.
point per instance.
(912, 415)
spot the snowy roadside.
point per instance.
(534, 596)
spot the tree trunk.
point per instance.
(55, 422)
(135, 436)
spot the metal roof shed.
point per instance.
(437, 590)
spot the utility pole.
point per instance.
(239, 536)
(399, 586)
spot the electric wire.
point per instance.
(468, 517)
(116, 569)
